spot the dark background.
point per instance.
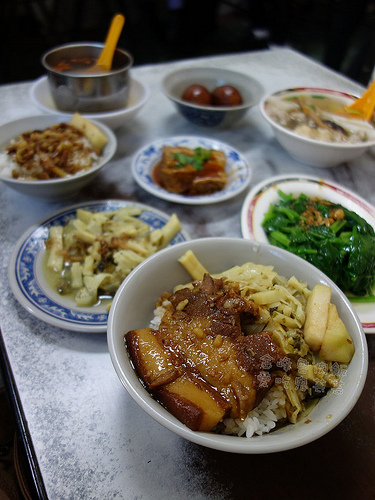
(339, 33)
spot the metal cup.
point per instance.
(85, 92)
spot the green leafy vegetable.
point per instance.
(336, 240)
(197, 160)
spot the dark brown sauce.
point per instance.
(210, 168)
(75, 65)
(156, 174)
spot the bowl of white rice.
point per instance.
(51, 188)
(267, 427)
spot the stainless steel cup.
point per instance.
(85, 92)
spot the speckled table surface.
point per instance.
(90, 439)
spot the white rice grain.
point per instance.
(263, 418)
(158, 314)
(6, 165)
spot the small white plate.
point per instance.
(40, 95)
(258, 201)
(237, 169)
(27, 277)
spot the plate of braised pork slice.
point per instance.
(191, 170)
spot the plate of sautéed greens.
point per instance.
(325, 224)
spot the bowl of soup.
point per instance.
(311, 125)
(75, 87)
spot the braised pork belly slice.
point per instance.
(199, 364)
(186, 179)
(189, 398)
(150, 359)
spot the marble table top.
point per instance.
(91, 440)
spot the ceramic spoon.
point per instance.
(104, 62)
(363, 107)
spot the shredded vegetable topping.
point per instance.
(94, 252)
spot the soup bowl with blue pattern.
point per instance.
(211, 116)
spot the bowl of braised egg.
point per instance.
(312, 125)
(53, 156)
(211, 97)
(237, 345)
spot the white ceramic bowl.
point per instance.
(311, 151)
(52, 189)
(40, 95)
(176, 82)
(133, 307)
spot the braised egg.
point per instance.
(226, 95)
(197, 94)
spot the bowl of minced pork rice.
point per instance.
(236, 345)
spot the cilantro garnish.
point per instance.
(197, 160)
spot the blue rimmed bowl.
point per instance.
(174, 84)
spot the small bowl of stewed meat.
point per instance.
(211, 97)
(74, 87)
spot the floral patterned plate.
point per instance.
(258, 201)
(27, 275)
(237, 168)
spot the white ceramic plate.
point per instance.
(261, 196)
(41, 96)
(27, 278)
(237, 168)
